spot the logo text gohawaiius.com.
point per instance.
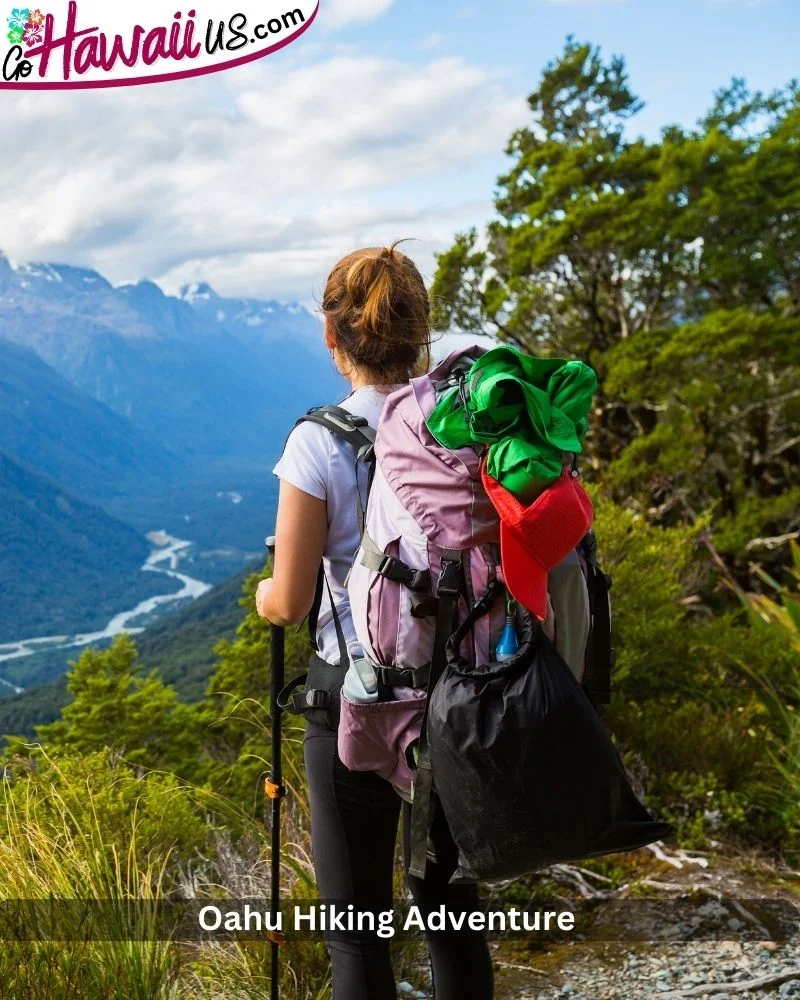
(44, 51)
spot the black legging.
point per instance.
(354, 819)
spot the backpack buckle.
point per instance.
(392, 569)
(449, 578)
(316, 698)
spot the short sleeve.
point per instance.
(305, 460)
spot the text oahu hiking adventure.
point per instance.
(92, 44)
(328, 917)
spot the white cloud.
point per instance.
(433, 41)
(340, 12)
(257, 179)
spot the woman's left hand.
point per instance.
(262, 597)
(300, 534)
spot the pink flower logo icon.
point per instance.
(33, 34)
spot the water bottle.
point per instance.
(508, 647)
(360, 681)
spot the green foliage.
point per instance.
(180, 646)
(91, 830)
(117, 826)
(115, 706)
(776, 621)
(649, 567)
(113, 841)
(680, 710)
(66, 564)
(699, 807)
(723, 393)
(602, 248)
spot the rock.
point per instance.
(769, 946)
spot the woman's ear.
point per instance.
(330, 340)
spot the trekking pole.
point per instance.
(274, 784)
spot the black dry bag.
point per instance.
(525, 771)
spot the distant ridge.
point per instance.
(61, 431)
(66, 565)
(201, 374)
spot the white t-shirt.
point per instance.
(320, 464)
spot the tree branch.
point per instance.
(742, 986)
(772, 543)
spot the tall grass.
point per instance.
(115, 843)
(779, 611)
(54, 846)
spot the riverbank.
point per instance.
(165, 559)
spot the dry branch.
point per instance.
(706, 989)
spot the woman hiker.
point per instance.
(377, 328)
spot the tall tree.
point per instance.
(581, 254)
(673, 268)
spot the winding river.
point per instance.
(164, 559)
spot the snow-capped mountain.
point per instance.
(201, 373)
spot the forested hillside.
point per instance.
(63, 560)
(62, 432)
(180, 646)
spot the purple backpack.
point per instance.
(426, 502)
(429, 557)
(427, 511)
(428, 573)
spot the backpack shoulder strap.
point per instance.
(355, 431)
(348, 427)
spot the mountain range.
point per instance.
(61, 431)
(199, 374)
(124, 410)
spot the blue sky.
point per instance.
(677, 53)
(386, 120)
